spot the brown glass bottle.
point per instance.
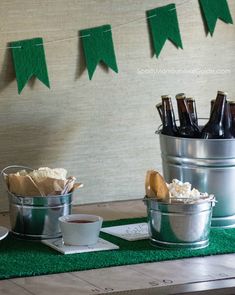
(187, 127)
(232, 110)
(160, 110)
(168, 117)
(232, 113)
(214, 128)
(192, 109)
(212, 104)
(227, 121)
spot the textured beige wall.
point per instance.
(102, 130)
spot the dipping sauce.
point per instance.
(80, 229)
(80, 221)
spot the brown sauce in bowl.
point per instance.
(80, 221)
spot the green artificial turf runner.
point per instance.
(26, 258)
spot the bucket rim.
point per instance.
(159, 129)
(211, 201)
(42, 197)
(158, 132)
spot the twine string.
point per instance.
(88, 35)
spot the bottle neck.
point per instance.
(232, 111)
(183, 111)
(168, 116)
(218, 110)
(160, 110)
(227, 121)
(192, 110)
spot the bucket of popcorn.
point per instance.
(37, 198)
(179, 216)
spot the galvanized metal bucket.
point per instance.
(37, 217)
(209, 165)
(179, 225)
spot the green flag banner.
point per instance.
(98, 46)
(29, 60)
(163, 24)
(214, 9)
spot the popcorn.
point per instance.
(174, 192)
(182, 191)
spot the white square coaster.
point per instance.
(58, 245)
(129, 232)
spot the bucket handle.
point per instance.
(3, 174)
(158, 131)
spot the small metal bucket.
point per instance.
(37, 217)
(209, 165)
(179, 225)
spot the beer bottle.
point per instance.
(160, 110)
(227, 122)
(192, 109)
(187, 127)
(214, 128)
(212, 104)
(232, 111)
(168, 117)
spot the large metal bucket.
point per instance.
(37, 217)
(179, 225)
(209, 165)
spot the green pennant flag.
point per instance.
(163, 24)
(98, 46)
(214, 9)
(29, 60)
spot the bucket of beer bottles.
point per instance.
(209, 165)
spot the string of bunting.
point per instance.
(29, 56)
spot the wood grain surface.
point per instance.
(103, 131)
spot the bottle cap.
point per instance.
(231, 101)
(166, 96)
(222, 92)
(158, 104)
(180, 96)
